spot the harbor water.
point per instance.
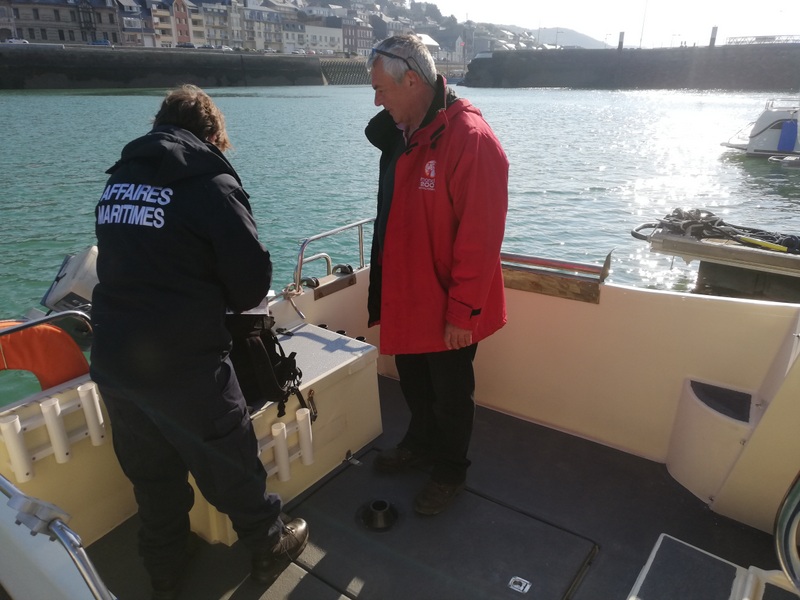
(586, 168)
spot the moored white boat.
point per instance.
(618, 428)
(774, 133)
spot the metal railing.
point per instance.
(302, 260)
(786, 527)
(41, 517)
(762, 39)
(75, 323)
(601, 272)
(48, 319)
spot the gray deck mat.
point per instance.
(620, 501)
(433, 558)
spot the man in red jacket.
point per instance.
(436, 285)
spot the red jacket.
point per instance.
(440, 258)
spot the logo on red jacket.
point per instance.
(429, 181)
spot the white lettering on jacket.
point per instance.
(137, 193)
(131, 213)
(128, 214)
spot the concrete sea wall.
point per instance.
(767, 67)
(52, 66)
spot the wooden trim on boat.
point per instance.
(550, 283)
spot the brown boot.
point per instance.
(435, 497)
(269, 562)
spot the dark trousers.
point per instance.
(198, 425)
(439, 388)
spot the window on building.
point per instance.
(44, 33)
(99, 17)
(56, 15)
(111, 19)
(61, 35)
(71, 34)
(72, 16)
(35, 14)
(31, 34)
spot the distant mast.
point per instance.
(644, 20)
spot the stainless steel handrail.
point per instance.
(48, 319)
(547, 263)
(42, 517)
(560, 265)
(600, 271)
(786, 527)
(301, 260)
(321, 256)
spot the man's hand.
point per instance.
(455, 337)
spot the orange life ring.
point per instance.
(45, 350)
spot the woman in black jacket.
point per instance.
(178, 247)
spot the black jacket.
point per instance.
(177, 247)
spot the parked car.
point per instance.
(100, 43)
(16, 41)
(207, 47)
(225, 48)
(269, 51)
(185, 45)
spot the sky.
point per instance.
(646, 23)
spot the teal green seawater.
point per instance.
(586, 168)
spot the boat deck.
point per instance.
(545, 515)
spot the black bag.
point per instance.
(265, 372)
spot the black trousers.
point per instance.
(198, 425)
(439, 388)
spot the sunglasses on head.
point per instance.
(405, 60)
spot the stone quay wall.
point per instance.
(767, 67)
(54, 66)
(764, 67)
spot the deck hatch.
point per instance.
(678, 570)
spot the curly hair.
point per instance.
(190, 108)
